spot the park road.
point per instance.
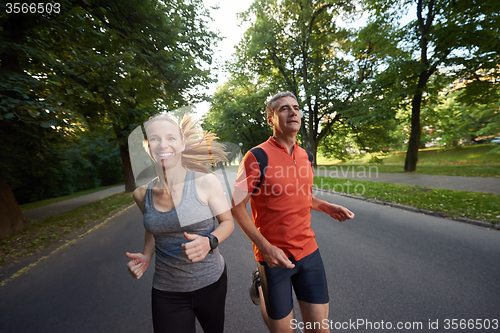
(385, 267)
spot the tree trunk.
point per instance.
(310, 146)
(416, 103)
(414, 143)
(127, 168)
(11, 218)
(128, 173)
(314, 152)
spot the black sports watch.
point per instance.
(213, 242)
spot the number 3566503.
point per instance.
(33, 8)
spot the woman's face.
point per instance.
(165, 143)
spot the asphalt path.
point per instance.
(41, 213)
(385, 266)
(370, 173)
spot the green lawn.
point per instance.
(468, 161)
(472, 170)
(473, 205)
(475, 154)
(46, 202)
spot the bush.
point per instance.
(88, 163)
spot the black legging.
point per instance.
(175, 312)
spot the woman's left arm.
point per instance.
(219, 205)
(211, 189)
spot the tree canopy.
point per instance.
(95, 66)
(298, 46)
(360, 88)
(442, 41)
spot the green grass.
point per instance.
(492, 171)
(46, 202)
(474, 154)
(453, 204)
(467, 161)
(39, 236)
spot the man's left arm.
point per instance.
(340, 213)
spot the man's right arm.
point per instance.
(273, 255)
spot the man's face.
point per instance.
(286, 117)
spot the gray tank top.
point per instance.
(173, 271)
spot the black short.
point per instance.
(175, 312)
(308, 279)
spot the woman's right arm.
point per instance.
(140, 261)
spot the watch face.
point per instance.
(213, 241)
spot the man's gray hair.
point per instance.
(271, 105)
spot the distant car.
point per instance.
(496, 140)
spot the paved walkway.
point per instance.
(475, 184)
(41, 213)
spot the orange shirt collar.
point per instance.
(279, 145)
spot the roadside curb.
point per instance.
(100, 223)
(493, 226)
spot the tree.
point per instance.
(94, 64)
(297, 46)
(238, 114)
(443, 34)
(451, 120)
(291, 43)
(146, 61)
(30, 112)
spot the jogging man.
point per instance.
(280, 226)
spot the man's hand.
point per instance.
(337, 212)
(275, 257)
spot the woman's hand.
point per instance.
(138, 265)
(198, 247)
